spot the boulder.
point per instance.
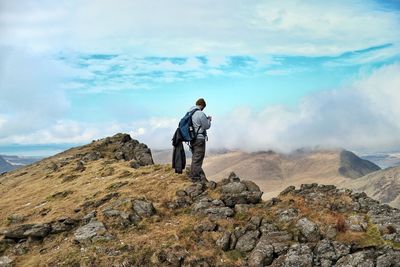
(224, 241)
(361, 258)
(263, 253)
(309, 230)
(248, 241)
(325, 252)
(236, 192)
(80, 166)
(233, 188)
(299, 255)
(38, 231)
(94, 155)
(89, 231)
(143, 155)
(195, 190)
(6, 261)
(143, 208)
(63, 225)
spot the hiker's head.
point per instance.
(201, 103)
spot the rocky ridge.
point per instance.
(146, 215)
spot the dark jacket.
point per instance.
(178, 154)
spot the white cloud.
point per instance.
(194, 28)
(362, 115)
(31, 96)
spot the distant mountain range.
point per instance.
(384, 160)
(273, 172)
(9, 163)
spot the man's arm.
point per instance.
(205, 122)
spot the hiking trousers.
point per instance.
(198, 153)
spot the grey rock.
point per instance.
(134, 164)
(341, 249)
(94, 155)
(233, 177)
(181, 193)
(267, 227)
(233, 188)
(287, 215)
(111, 213)
(331, 232)
(17, 232)
(89, 231)
(299, 255)
(80, 166)
(247, 241)
(388, 259)
(195, 190)
(288, 190)
(242, 208)
(309, 229)
(133, 218)
(211, 185)
(262, 254)
(357, 223)
(324, 250)
(224, 241)
(38, 231)
(143, 208)
(6, 261)
(360, 259)
(206, 227)
(219, 212)
(245, 197)
(143, 155)
(251, 186)
(63, 225)
(28, 230)
(119, 155)
(88, 217)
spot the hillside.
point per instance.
(382, 185)
(107, 204)
(273, 172)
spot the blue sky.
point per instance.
(278, 74)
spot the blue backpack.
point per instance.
(186, 127)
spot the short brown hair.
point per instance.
(201, 102)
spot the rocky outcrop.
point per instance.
(126, 148)
(236, 192)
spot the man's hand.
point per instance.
(209, 118)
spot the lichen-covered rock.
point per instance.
(195, 190)
(6, 261)
(361, 259)
(248, 241)
(298, 255)
(233, 188)
(309, 230)
(224, 241)
(143, 208)
(325, 252)
(89, 231)
(63, 225)
(28, 230)
(38, 231)
(262, 254)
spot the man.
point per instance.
(201, 123)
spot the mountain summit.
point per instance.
(107, 204)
